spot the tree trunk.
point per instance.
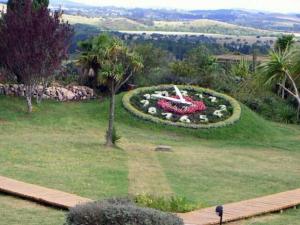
(283, 91)
(29, 98)
(109, 133)
(298, 112)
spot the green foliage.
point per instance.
(108, 60)
(166, 204)
(265, 102)
(284, 42)
(19, 4)
(196, 66)
(155, 61)
(272, 72)
(118, 212)
(115, 136)
(241, 69)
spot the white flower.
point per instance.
(213, 99)
(145, 102)
(185, 119)
(223, 107)
(168, 116)
(203, 118)
(147, 96)
(218, 113)
(200, 96)
(152, 110)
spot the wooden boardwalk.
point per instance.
(40, 194)
(207, 216)
(244, 209)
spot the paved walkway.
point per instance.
(232, 211)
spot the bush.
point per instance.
(172, 204)
(115, 136)
(118, 212)
(270, 107)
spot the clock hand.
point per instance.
(178, 93)
(172, 99)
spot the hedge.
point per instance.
(231, 120)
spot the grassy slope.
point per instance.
(60, 146)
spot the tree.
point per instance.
(36, 4)
(111, 63)
(33, 42)
(281, 70)
(273, 71)
(196, 67)
(284, 42)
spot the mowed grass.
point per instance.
(60, 145)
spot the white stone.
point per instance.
(152, 110)
(203, 118)
(145, 102)
(213, 99)
(185, 119)
(218, 113)
(168, 116)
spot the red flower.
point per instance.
(181, 109)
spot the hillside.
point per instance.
(195, 26)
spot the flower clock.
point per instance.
(186, 106)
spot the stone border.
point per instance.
(231, 120)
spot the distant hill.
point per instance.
(254, 19)
(223, 21)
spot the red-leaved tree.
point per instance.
(33, 43)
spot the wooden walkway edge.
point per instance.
(232, 212)
(244, 209)
(40, 194)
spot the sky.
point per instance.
(262, 5)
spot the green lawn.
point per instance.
(61, 146)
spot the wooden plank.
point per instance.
(244, 209)
(40, 194)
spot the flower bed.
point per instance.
(167, 106)
(208, 108)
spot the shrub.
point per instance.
(115, 136)
(171, 204)
(118, 212)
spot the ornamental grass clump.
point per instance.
(118, 212)
(166, 204)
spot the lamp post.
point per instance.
(219, 211)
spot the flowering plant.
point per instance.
(169, 106)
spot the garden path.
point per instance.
(207, 216)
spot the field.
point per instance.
(61, 146)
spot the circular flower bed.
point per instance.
(186, 106)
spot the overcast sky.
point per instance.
(265, 5)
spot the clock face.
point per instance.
(182, 105)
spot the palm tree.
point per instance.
(283, 70)
(274, 71)
(112, 64)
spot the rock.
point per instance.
(60, 93)
(163, 148)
